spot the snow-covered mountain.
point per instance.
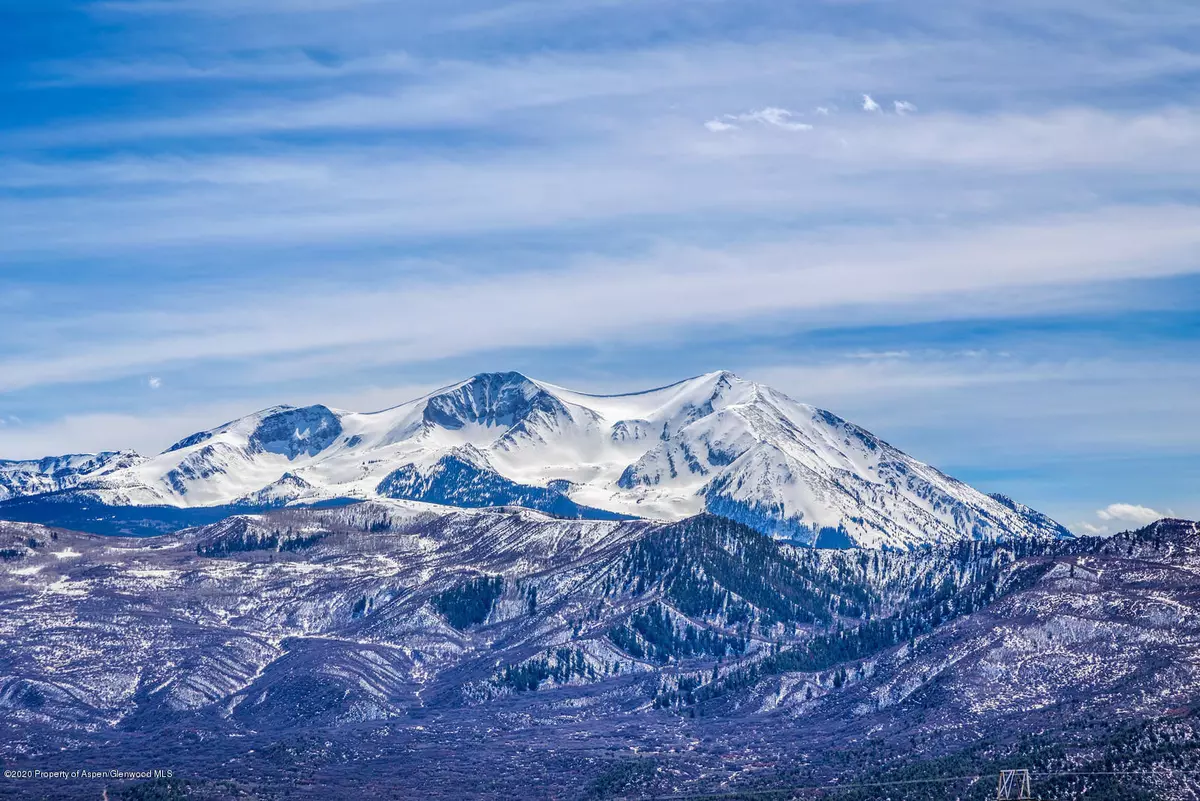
(56, 473)
(715, 442)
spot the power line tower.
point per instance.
(1014, 785)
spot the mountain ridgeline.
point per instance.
(715, 443)
(425, 647)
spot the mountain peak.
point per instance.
(294, 431)
(56, 473)
(501, 378)
(487, 399)
(714, 442)
(715, 380)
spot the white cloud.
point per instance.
(868, 104)
(716, 126)
(154, 382)
(354, 193)
(1117, 517)
(779, 117)
(1128, 513)
(770, 116)
(290, 65)
(874, 355)
(822, 111)
(450, 92)
(913, 274)
(904, 107)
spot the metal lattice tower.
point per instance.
(1014, 785)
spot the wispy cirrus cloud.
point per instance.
(917, 275)
(718, 125)
(770, 116)
(238, 200)
(668, 170)
(291, 64)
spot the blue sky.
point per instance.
(971, 227)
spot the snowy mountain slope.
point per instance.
(357, 628)
(715, 442)
(56, 473)
(245, 615)
(464, 478)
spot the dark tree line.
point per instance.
(469, 604)
(708, 566)
(651, 634)
(272, 541)
(561, 666)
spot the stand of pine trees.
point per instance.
(469, 604)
